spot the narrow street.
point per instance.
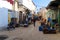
(17, 18)
(29, 33)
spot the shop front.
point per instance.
(54, 13)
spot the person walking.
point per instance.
(49, 19)
(34, 20)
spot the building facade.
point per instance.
(43, 12)
(13, 8)
(5, 6)
(23, 5)
(54, 10)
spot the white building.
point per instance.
(8, 11)
(5, 4)
(4, 7)
(28, 3)
(22, 5)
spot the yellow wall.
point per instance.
(9, 19)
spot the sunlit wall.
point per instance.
(5, 4)
(3, 17)
(29, 4)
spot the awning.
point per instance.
(53, 4)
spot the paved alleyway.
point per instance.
(29, 33)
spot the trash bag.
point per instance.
(40, 28)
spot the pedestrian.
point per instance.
(34, 20)
(49, 19)
(40, 17)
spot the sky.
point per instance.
(41, 3)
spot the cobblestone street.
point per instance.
(29, 33)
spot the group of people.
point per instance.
(47, 24)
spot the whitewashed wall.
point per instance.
(3, 17)
(29, 4)
(5, 4)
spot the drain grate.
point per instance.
(3, 37)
